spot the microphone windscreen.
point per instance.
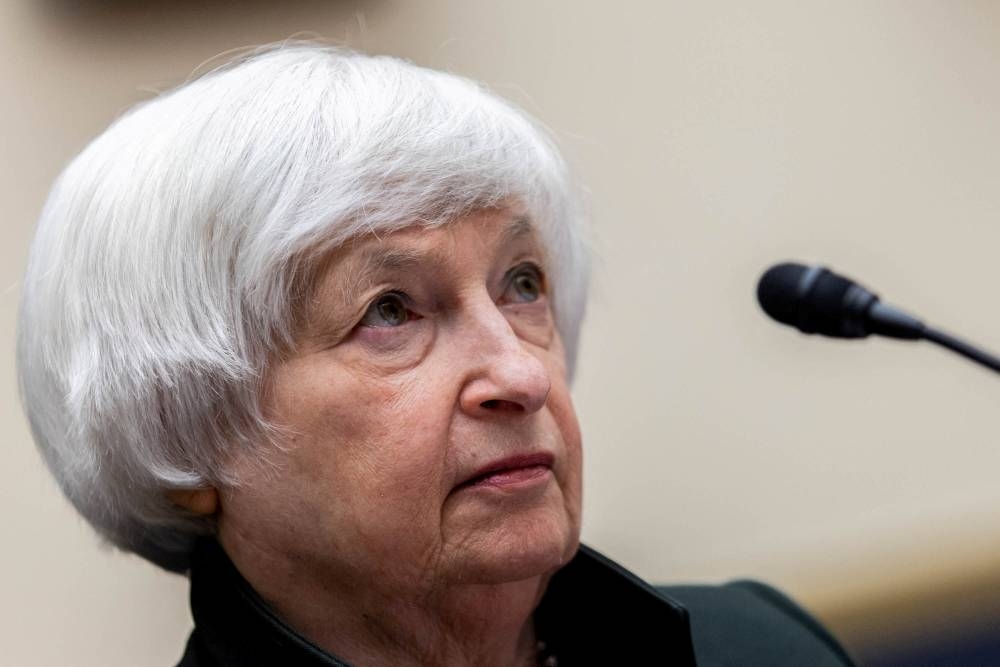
(778, 292)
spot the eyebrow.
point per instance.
(516, 229)
(375, 261)
(381, 258)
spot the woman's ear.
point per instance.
(203, 502)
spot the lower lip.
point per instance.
(514, 478)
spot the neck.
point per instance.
(454, 625)
(487, 625)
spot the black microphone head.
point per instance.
(815, 300)
(777, 291)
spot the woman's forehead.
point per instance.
(413, 246)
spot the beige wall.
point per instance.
(715, 138)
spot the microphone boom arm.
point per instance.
(961, 347)
(886, 320)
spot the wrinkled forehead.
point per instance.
(407, 247)
(411, 245)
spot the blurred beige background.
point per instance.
(715, 138)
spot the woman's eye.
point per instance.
(389, 310)
(526, 284)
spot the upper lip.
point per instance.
(511, 463)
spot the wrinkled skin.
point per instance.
(426, 354)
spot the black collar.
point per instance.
(593, 612)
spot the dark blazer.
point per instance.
(594, 612)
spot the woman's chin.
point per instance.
(520, 550)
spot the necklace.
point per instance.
(545, 657)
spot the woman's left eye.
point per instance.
(526, 284)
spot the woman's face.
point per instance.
(429, 435)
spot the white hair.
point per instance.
(168, 261)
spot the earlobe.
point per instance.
(203, 502)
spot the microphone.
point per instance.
(816, 300)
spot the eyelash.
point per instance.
(404, 299)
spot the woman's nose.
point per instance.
(504, 376)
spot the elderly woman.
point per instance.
(304, 328)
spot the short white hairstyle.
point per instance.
(170, 258)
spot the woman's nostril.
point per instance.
(499, 404)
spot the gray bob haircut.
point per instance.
(173, 252)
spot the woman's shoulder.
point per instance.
(751, 623)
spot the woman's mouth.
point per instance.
(512, 472)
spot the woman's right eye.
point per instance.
(388, 310)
